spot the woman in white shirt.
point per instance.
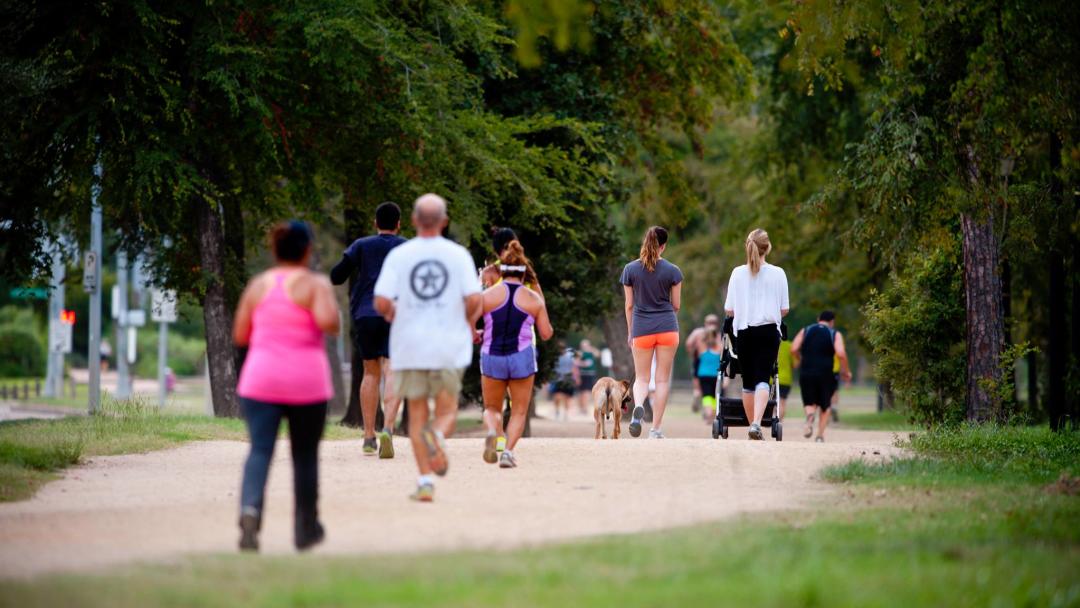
(757, 297)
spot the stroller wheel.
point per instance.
(778, 431)
(717, 429)
(724, 432)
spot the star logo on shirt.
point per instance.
(428, 279)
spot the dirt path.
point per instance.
(163, 505)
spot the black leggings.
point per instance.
(757, 349)
(306, 424)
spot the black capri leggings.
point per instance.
(757, 347)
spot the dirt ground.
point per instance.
(164, 505)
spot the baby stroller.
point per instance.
(729, 411)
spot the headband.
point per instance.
(505, 268)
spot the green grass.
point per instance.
(33, 451)
(972, 455)
(888, 420)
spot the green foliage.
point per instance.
(186, 355)
(916, 327)
(22, 349)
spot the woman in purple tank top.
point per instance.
(283, 315)
(507, 356)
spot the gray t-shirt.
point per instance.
(653, 312)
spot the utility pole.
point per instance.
(54, 375)
(163, 311)
(120, 311)
(92, 284)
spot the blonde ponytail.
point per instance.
(757, 247)
(655, 238)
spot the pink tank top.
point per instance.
(286, 361)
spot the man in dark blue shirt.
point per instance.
(370, 332)
(814, 349)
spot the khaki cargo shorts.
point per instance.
(425, 383)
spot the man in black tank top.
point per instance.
(812, 351)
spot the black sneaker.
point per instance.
(635, 421)
(249, 530)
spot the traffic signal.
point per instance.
(67, 317)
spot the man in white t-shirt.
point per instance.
(429, 292)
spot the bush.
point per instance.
(185, 354)
(22, 354)
(916, 327)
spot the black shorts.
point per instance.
(371, 337)
(708, 385)
(587, 383)
(757, 349)
(563, 386)
(817, 390)
(785, 390)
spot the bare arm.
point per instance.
(242, 320)
(676, 296)
(385, 307)
(543, 323)
(692, 340)
(324, 306)
(628, 294)
(474, 307)
(796, 344)
(841, 353)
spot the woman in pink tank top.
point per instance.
(282, 318)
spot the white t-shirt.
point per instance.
(429, 278)
(757, 300)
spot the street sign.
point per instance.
(29, 293)
(115, 305)
(131, 344)
(60, 334)
(136, 318)
(163, 306)
(90, 272)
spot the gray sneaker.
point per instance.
(755, 432)
(370, 446)
(656, 434)
(507, 460)
(635, 421)
(386, 444)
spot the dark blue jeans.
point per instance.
(306, 424)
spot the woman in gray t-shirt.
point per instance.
(652, 286)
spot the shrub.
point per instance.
(22, 353)
(916, 327)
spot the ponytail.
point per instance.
(757, 247)
(513, 256)
(655, 238)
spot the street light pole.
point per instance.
(123, 381)
(94, 356)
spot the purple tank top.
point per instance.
(507, 329)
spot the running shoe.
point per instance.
(436, 448)
(249, 530)
(370, 447)
(490, 455)
(656, 434)
(635, 421)
(507, 460)
(819, 440)
(809, 429)
(386, 444)
(500, 444)
(424, 493)
(755, 432)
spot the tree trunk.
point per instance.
(235, 274)
(985, 327)
(216, 312)
(622, 360)
(337, 402)
(1056, 354)
(1033, 380)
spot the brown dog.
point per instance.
(610, 396)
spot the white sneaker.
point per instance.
(656, 434)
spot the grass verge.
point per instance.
(33, 451)
(888, 420)
(961, 539)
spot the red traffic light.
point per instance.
(67, 316)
